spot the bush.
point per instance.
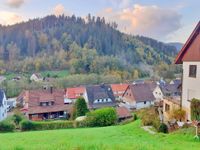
(195, 109)
(6, 126)
(178, 114)
(148, 116)
(102, 117)
(156, 123)
(163, 128)
(81, 124)
(27, 125)
(135, 117)
(17, 118)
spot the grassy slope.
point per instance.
(127, 137)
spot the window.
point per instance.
(192, 71)
(167, 107)
(145, 102)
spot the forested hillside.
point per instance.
(80, 45)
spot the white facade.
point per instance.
(3, 108)
(191, 86)
(139, 105)
(157, 93)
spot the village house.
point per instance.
(169, 105)
(156, 90)
(98, 96)
(118, 90)
(138, 96)
(189, 57)
(44, 104)
(36, 77)
(3, 105)
(73, 93)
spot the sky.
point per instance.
(164, 20)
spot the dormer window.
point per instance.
(47, 103)
(193, 71)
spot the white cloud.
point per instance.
(151, 21)
(15, 3)
(9, 18)
(59, 9)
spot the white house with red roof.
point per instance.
(72, 94)
(118, 90)
(189, 57)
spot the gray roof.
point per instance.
(172, 89)
(177, 81)
(142, 92)
(100, 92)
(1, 97)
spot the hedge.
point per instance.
(27, 125)
(102, 117)
(6, 126)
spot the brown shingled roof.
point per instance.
(34, 97)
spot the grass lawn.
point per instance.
(125, 137)
(59, 74)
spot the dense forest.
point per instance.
(81, 46)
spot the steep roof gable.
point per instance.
(191, 56)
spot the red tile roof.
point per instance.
(181, 54)
(117, 88)
(74, 93)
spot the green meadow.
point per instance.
(123, 137)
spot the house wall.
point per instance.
(128, 98)
(145, 104)
(3, 109)
(157, 93)
(172, 106)
(190, 86)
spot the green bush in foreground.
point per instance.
(6, 126)
(102, 117)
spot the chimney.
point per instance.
(51, 89)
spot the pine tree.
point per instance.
(81, 107)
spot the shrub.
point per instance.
(6, 126)
(195, 109)
(178, 114)
(27, 125)
(148, 116)
(135, 117)
(81, 124)
(102, 117)
(17, 118)
(163, 128)
(156, 123)
(80, 107)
